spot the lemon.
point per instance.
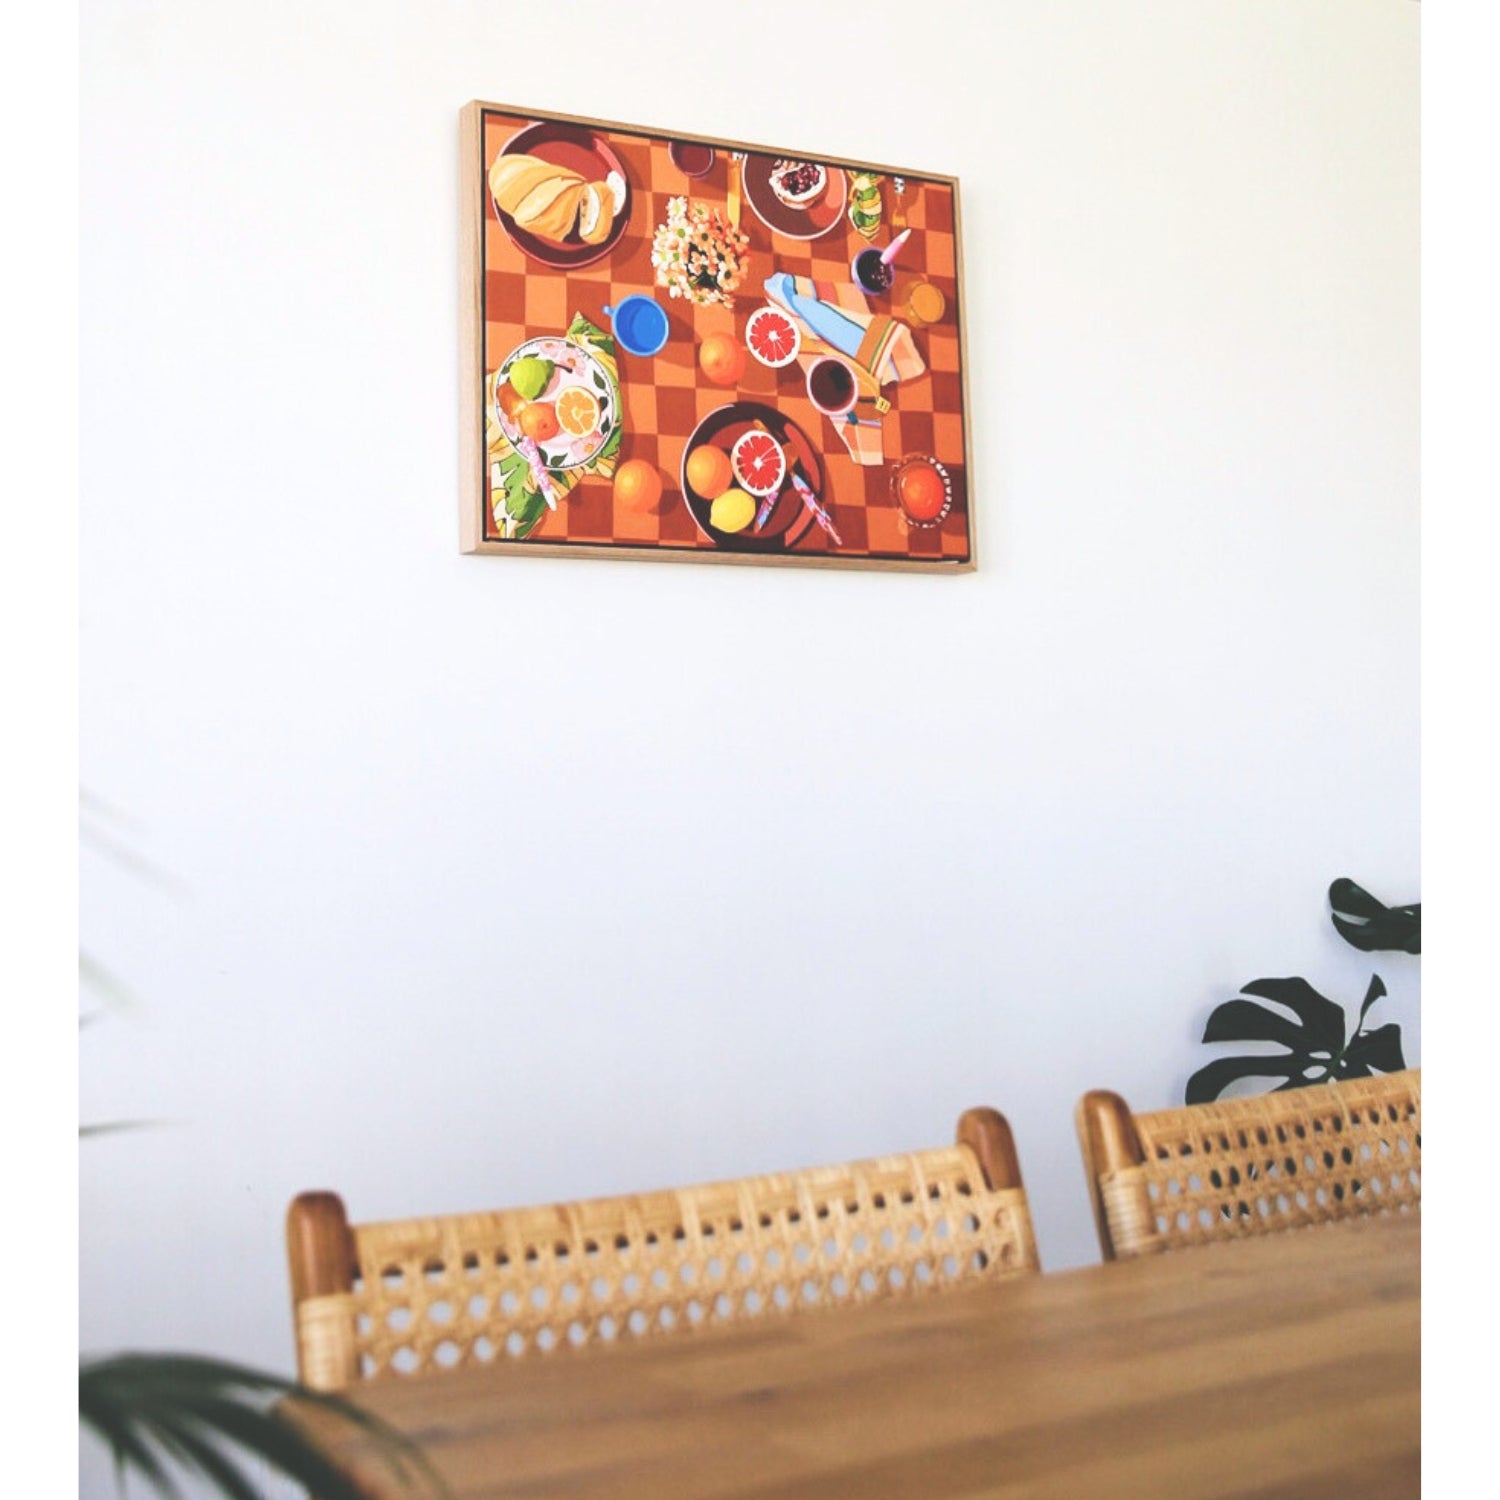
(734, 510)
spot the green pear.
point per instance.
(529, 376)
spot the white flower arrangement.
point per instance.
(698, 254)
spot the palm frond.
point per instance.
(91, 804)
(121, 854)
(201, 1414)
(113, 1127)
(112, 990)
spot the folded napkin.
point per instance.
(517, 503)
(836, 319)
(862, 437)
(880, 345)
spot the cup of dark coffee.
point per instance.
(873, 274)
(831, 386)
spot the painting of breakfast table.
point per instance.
(679, 348)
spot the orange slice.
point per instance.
(578, 411)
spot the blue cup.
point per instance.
(640, 324)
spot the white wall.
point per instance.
(496, 880)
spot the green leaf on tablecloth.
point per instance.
(513, 468)
(585, 330)
(611, 446)
(525, 509)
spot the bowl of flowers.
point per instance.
(698, 254)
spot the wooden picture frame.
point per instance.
(763, 323)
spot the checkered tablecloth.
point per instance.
(666, 396)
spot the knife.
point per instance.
(898, 214)
(763, 514)
(732, 206)
(766, 507)
(810, 500)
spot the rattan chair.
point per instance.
(1251, 1166)
(420, 1295)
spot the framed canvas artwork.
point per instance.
(690, 349)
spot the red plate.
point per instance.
(790, 520)
(593, 158)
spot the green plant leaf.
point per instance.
(198, 1412)
(193, 1451)
(1370, 925)
(93, 976)
(1315, 1049)
(283, 1445)
(1379, 1049)
(1245, 1021)
(1213, 1078)
(98, 1410)
(1322, 1019)
(1375, 991)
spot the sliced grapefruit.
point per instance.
(759, 464)
(772, 337)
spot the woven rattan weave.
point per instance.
(421, 1295)
(1248, 1166)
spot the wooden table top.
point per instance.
(1278, 1367)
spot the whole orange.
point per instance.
(538, 420)
(722, 358)
(637, 485)
(709, 471)
(922, 492)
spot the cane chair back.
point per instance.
(1252, 1166)
(417, 1296)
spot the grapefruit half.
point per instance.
(772, 337)
(759, 464)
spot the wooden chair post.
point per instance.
(986, 1133)
(1110, 1144)
(320, 1253)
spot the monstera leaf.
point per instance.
(1319, 1048)
(1369, 925)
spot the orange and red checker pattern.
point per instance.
(667, 395)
